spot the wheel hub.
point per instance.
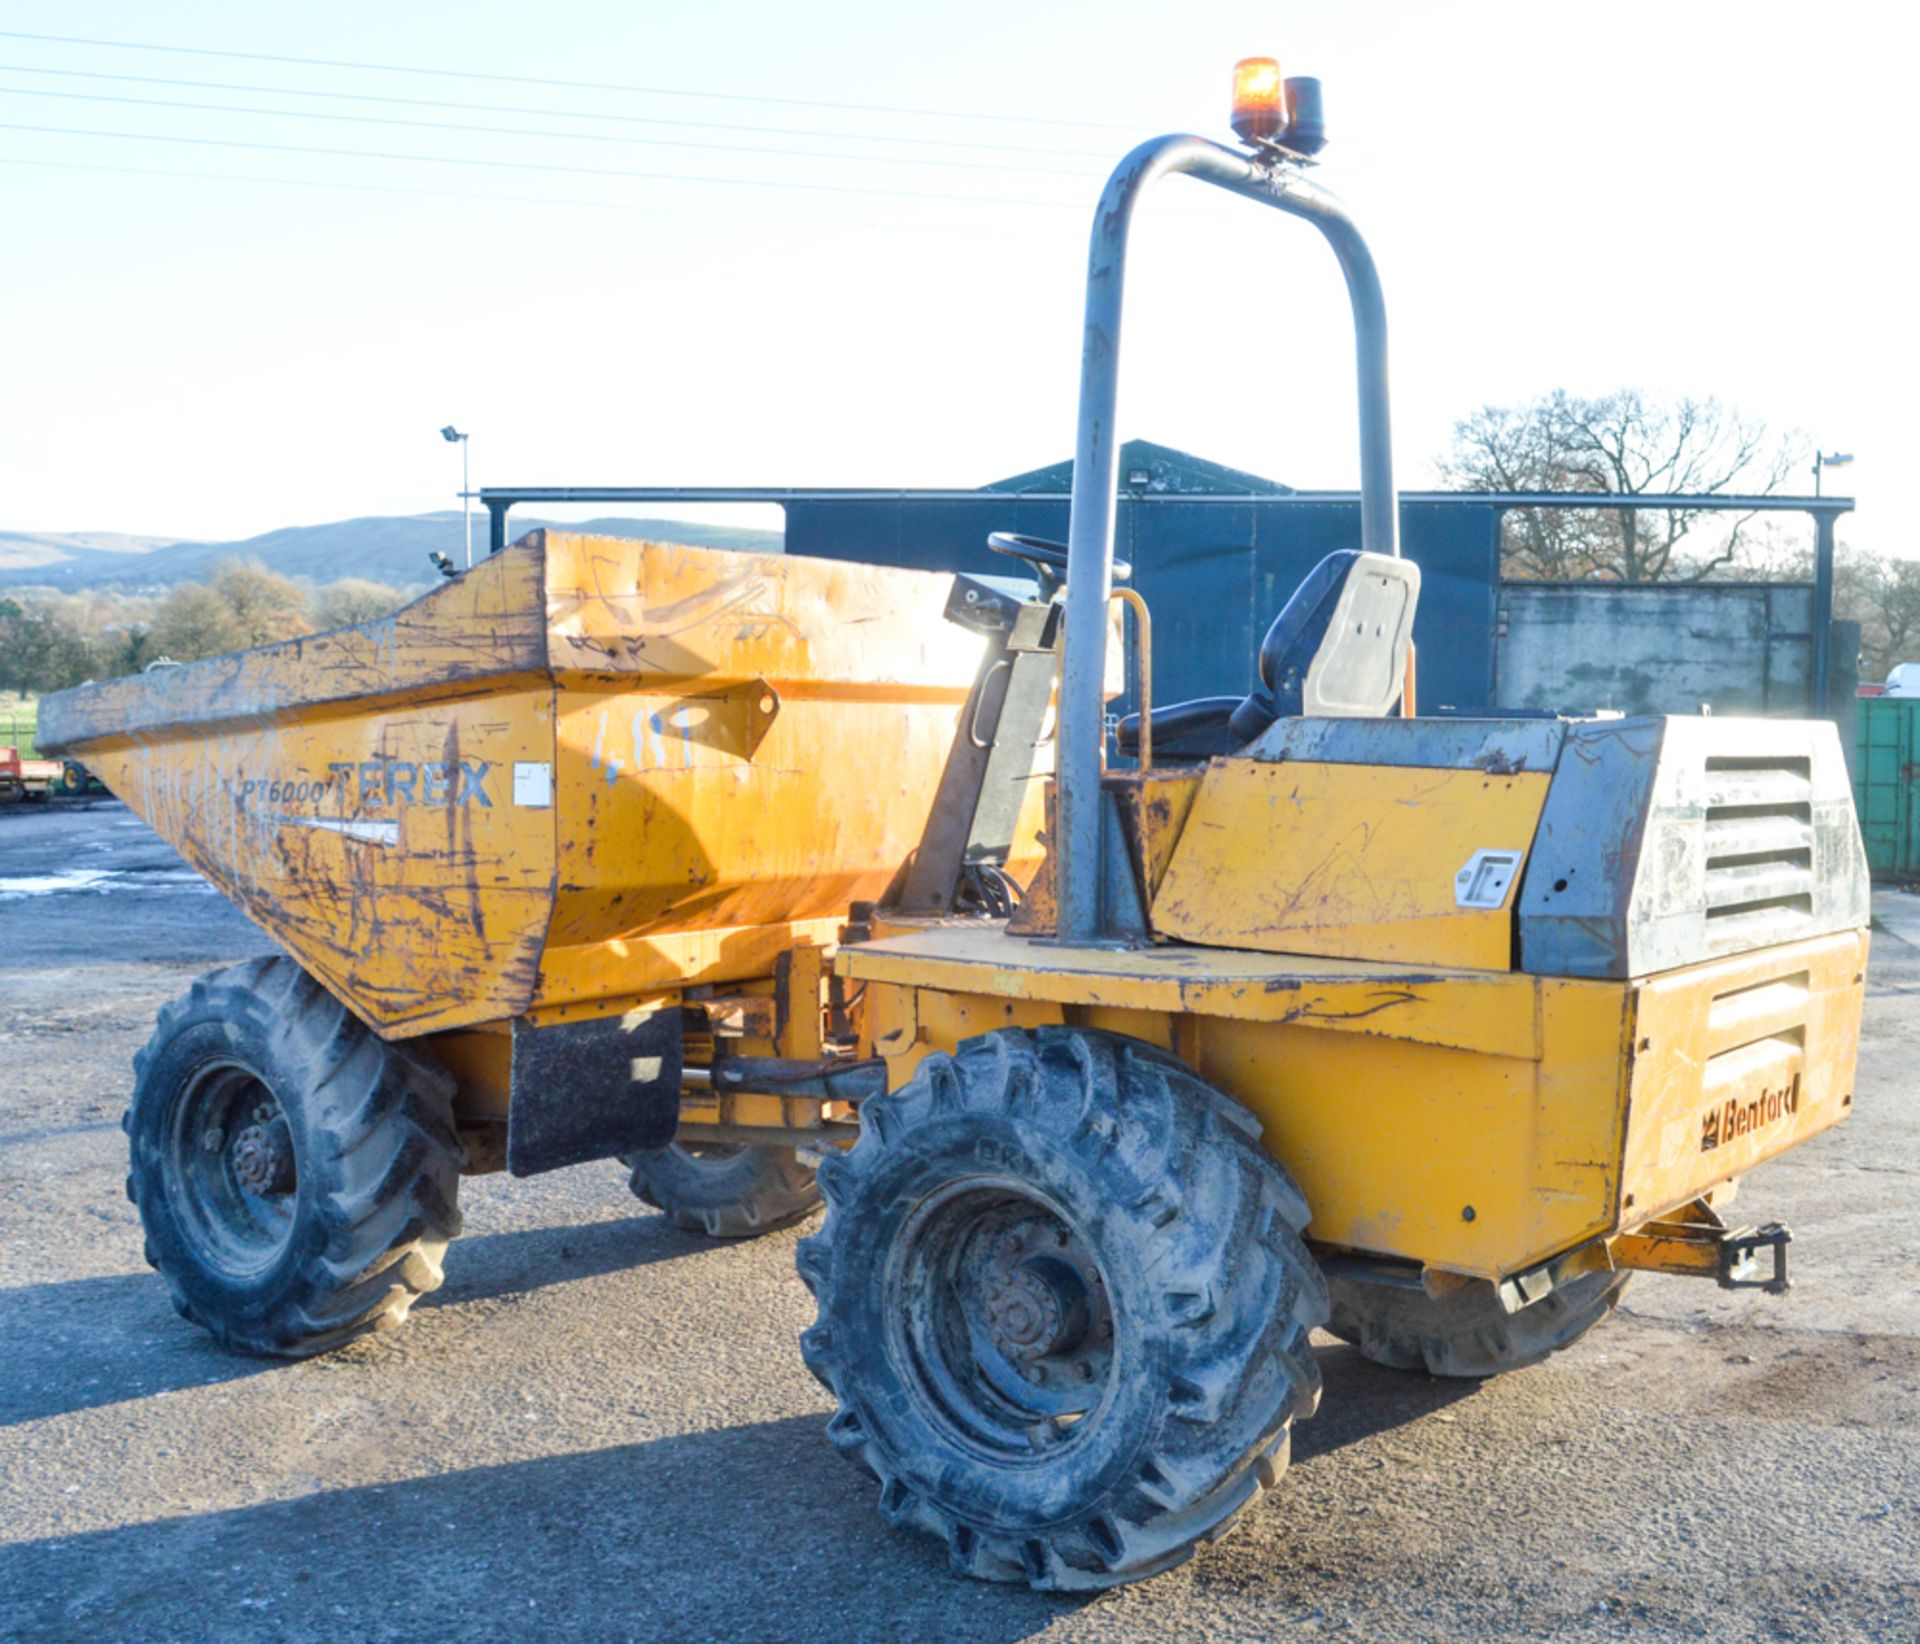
(1037, 1313)
(1023, 1313)
(262, 1157)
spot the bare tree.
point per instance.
(265, 605)
(1516, 448)
(1887, 606)
(1876, 590)
(194, 621)
(1622, 444)
(353, 600)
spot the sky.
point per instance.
(844, 243)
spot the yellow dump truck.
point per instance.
(1427, 1031)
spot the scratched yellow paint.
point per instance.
(1478, 1164)
(588, 770)
(1492, 1012)
(1356, 861)
(380, 848)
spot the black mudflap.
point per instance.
(592, 1090)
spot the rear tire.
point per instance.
(1063, 1307)
(1466, 1332)
(725, 1192)
(296, 1175)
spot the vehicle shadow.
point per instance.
(77, 1344)
(755, 1532)
(81, 1343)
(491, 1265)
(1364, 1399)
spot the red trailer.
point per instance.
(29, 778)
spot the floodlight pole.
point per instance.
(450, 434)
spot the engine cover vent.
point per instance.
(1668, 841)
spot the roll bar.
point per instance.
(1273, 180)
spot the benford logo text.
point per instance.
(1743, 1115)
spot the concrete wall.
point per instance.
(1736, 647)
(1742, 648)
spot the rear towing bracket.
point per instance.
(1695, 1242)
(1691, 1242)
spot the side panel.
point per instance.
(685, 813)
(1350, 861)
(1479, 1164)
(1738, 1061)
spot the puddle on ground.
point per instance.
(100, 881)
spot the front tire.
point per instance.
(1465, 1332)
(296, 1175)
(1063, 1307)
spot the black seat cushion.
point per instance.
(1185, 730)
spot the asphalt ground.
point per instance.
(600, 1427)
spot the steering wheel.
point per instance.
(1048, 559)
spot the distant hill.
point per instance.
(35, 550)
(383, 547)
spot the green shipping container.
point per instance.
(1886, 784)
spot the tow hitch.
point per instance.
(1740, 1258)
(1692, 1241)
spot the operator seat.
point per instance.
(1338, 648)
